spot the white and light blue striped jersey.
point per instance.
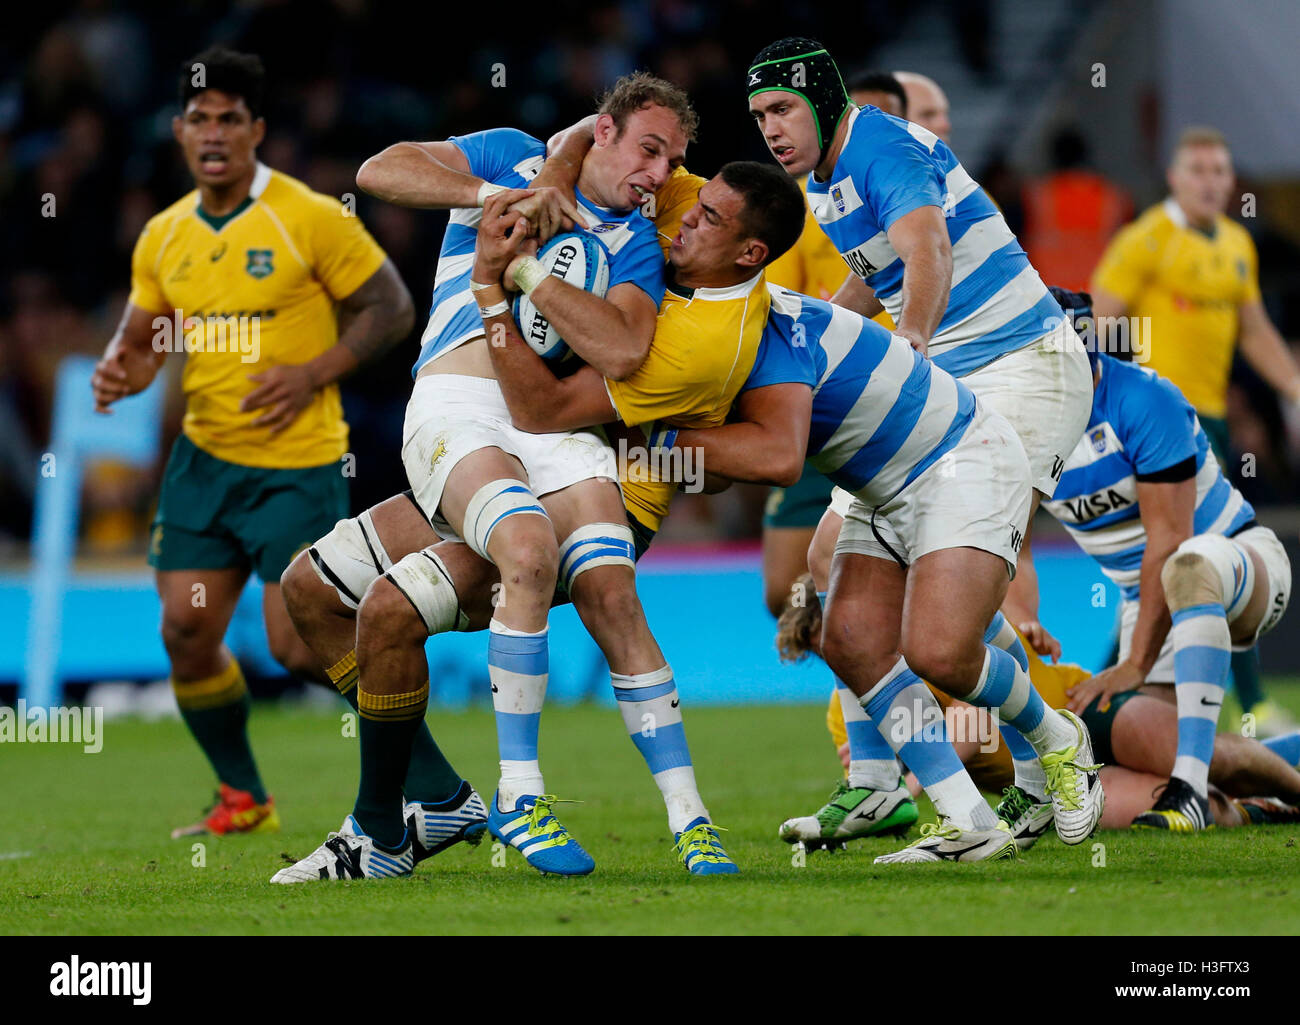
(881, 413)
(1142, 429)
(506, 156)
(890, 167)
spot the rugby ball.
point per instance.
(578, 258)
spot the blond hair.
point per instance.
(641, 89)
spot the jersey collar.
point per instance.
(1176, 214)
(736, 291)
(261, 179)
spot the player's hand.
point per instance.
(549, 211)
(283, 391)
(915, 341)
(528, 247)
(1039, 639)
(501, 232)
(1117, 679)
(109, 382)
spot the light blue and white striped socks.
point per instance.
(1030, 776)
(653, 717)
(872, 763)
(517, 669)
(1202, 653)
(912, 723)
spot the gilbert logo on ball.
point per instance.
(578, 258)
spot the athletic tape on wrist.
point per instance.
(488, 189)
(529, 273)
(494, 310)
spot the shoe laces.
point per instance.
(1014, 805)
(941, 830)
(541, 814)
(702, 840)
(1063, 777)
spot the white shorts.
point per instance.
(1045, 392)
(976, 496)
(1265, 544)
(449, 416)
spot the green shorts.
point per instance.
(801, 504)
(218, 515)
(1100, 724)
(1216, 432)
(641, 536)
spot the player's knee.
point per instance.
(1189, 579)
(607, 596)
(949, 663)
(188, 632)
(529, 560)
(288, 649)
(386, 617)
(302, 589)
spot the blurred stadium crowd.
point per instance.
(87, 92)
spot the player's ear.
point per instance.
(259, 131)
(178, 124)
(606, 131)
(754, 254)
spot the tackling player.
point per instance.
(244, 274)
(1192, 274)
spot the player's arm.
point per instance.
(1267, 353)
(1168, 508)
(612, 334)
(372, 319)
(425, 175)
(130, 362)
(856, 295)
(920, 237)
(767, 443)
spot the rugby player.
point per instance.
(927, 243)
(896, 431)
(1199, 576)
(1189, 275)
(639, 138)
(243, 274)
(813, 267)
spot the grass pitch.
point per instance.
(86, 848)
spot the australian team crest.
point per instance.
(837, 197)
(1097, 436)
(259, 263)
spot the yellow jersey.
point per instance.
(704, 346)
(246, 292)
(1191, 286)
(812, 265)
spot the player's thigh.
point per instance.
(468, 477)
(952, 596)
(197, 604)
(822, 547)
(1144, 735)
(1271, 591)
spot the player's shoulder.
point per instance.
(166, 219)
(1155, 224)
(1234, 235)
(1136, 392)
(288, 195)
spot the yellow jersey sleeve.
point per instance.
(1128, 263)
(679, 193)
(146, 293)
(341, 251)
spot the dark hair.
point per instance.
(879, 82)
(641, 89)
(239, 74)
(774, 205)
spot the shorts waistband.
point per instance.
(461, 382)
